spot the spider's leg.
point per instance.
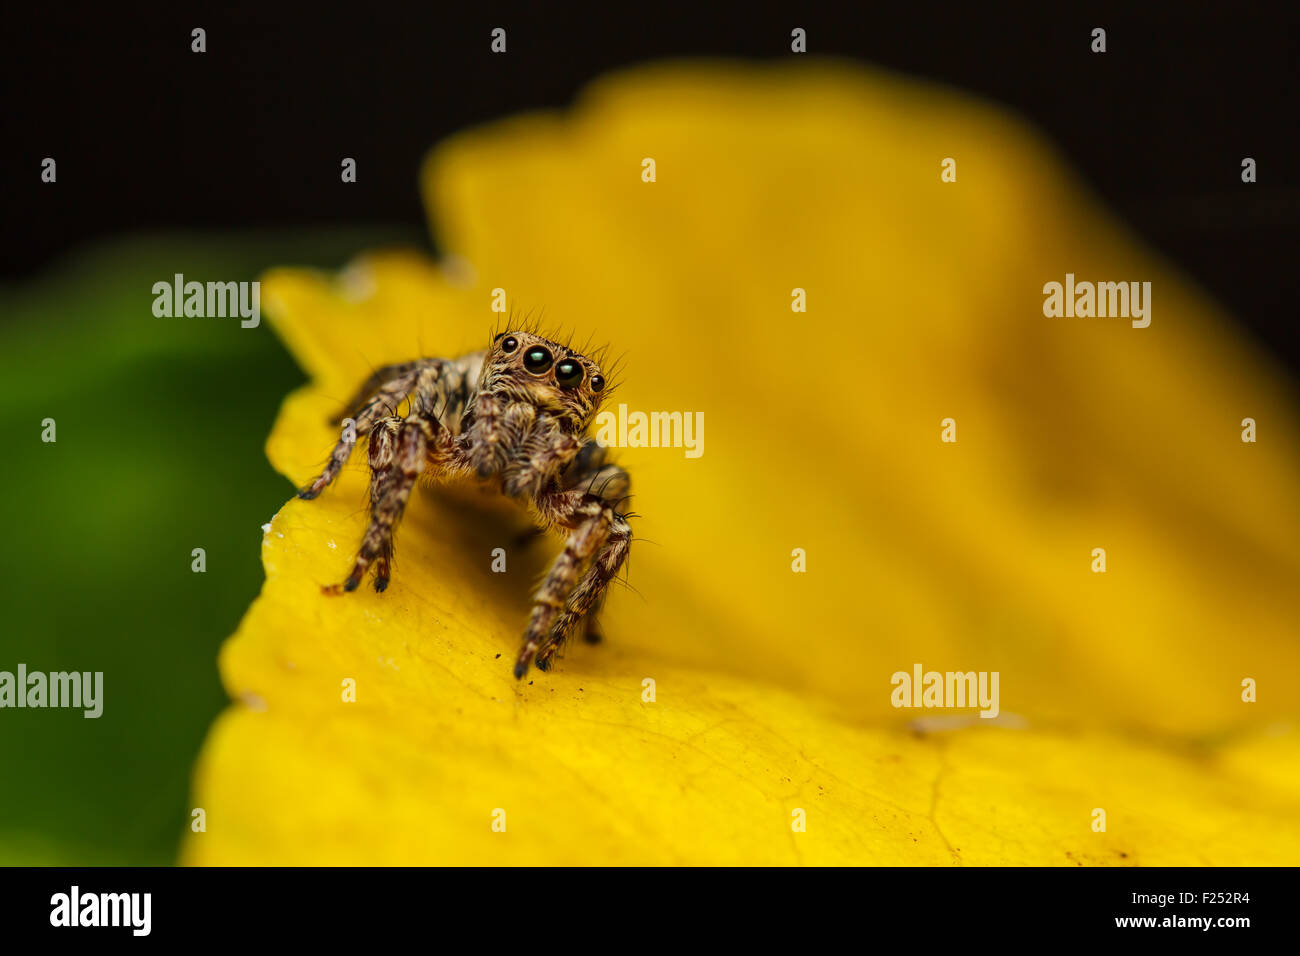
(383, 447)
(416, 435)
(589, 472)
(589, 521)
(584, 601)
(380, 405)
(589, 626)
(370, 386)
(400, 450)
(591, 632)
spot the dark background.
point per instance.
(149, 136)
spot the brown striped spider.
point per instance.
(515, 415)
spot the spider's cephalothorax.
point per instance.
(515, 414)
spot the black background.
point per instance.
(333, 907)
(149, 136)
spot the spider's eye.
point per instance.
(537, 360)
(597, 383)
(568, 373)
(509, 344)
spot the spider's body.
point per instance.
(517, 415)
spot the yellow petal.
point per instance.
(1119, 691)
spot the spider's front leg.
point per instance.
(371, 386)
(591, 472)
(589, 593)
(399, 451)
(598, 539)
(383, 449)
(395, 383)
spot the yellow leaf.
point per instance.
(1119, 691)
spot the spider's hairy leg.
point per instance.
(584, 601)
(589, 521)
(400, 450)
(417, 436)
(379, 378)
(589, 472)
(383, 449)
(591, 630)
(379, 405)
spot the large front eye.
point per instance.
(568, 373)
(509, 344)
(537, 360)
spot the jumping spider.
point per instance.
(516, 415)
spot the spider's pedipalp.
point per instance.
(540, 453)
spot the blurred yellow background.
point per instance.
(1119, 690)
